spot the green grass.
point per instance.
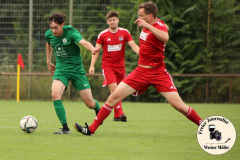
(153, 131)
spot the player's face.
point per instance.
(113, 22)
(57, 29)
(142, 15)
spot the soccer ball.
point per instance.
(28, 124)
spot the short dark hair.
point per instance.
(57, 17)
(111, 14)
(149, 7)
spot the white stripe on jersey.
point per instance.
(104, 77)
(124, 29)
(171, 80)
(160, 23)
(104, 31)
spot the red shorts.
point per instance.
(141, 78)
(113, 75)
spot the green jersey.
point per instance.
(66, 49)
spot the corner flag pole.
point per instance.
(20, 63)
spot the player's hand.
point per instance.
(91, 70)
(141, 23)
(51, 68)
(96, 50)
(93, 51)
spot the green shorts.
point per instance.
(78, 79)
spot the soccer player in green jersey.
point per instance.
(64, 40)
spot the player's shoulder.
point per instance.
(48, 33)
(123, 30)
(160, 23)
(103, 32)
(69, 28)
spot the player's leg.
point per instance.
(112, 87)
(123, 90)
(120, 74)
(174, 99)
(132, 83)
(164, 84)
(57, 90)
(129, 85)
(87, 98)
(118, 111)
(80, 83)
(112, 77)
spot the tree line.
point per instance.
(204, 39)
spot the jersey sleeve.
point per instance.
(129, 36)
(47, 36)
(100, 39)
(161, 26)
(76, 36)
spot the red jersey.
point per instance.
(114, 47)
(151, 49)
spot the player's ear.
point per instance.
(151, 15)
(62, 25)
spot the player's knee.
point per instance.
(112, 100)
(56, 96)
(90, 105)
(112, 89)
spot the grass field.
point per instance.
(153, 131)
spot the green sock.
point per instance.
(60, 111)
(97, 107)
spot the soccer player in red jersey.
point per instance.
(151, 71)
(113, 41)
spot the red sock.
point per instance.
(118, 111)
(193, 116)
(102, 114)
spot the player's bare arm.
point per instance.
(134, 46)
(167, 27)
(87, 45)
(161, 35)
(94, 58)
(97, 48)
(51, 67)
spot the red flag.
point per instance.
(20, 61)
